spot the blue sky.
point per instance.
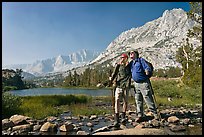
(39, 30)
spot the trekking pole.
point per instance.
(156, 106)
(113, 99)
(112, 92)
(155, 102)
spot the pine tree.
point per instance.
(190, 57)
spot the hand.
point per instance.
(110, 78)
(147, 72)
(110, 83)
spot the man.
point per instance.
(143, 90)
(122, 76)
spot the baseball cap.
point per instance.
(124, 55)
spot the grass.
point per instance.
(37, 110)
(181, 95)
(84, 109)
(40, 107)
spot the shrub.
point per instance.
(10, 104)
(8, 88)
(193, 77)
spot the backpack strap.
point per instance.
(139, 60)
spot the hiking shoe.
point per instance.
(123, 121)
(116, 124)
(156, 116)
(116, 120)
(139, 119)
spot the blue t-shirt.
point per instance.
(138, 67)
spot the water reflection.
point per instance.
(60, 91)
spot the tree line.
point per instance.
(89, 78)
(13, 80)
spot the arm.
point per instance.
(115, 72)
(146, 67)
(130, 74)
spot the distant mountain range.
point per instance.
(56, 64)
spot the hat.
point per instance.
(135, 51)
(124, 55)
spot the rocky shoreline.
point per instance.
(174, 121)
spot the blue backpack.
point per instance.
(150, 65)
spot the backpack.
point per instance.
(151, 66)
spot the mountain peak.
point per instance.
(157, 40)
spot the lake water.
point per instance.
(60, 91)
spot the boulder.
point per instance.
(19, 119)
(48, 127)
(134, 131)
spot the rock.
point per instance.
(66, 127)
(6, 123)
(4, 132)
(40, 122)
(95, 121)
(14, 133)
(93, 117)
(77, 128)
(82, 133)
(102, 129)
(89, 124)
(51, 119)
(154, 123)
(36, 127)
(81, 123)
(80, 117)
(123, 127)
(199, 120)
(150, 114)
(91, 129)
(186, 121)
(129, 112)
(48, 127)
(173, 119)
(99, 85)
(67, 117)
(26, 128)
(176, 128)
(19, 119)
(134, 131)
(130, 120)
(190, 125)
(31, 121)
(140, 126)
(108, 115)
(169, 99)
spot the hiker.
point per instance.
(143, 89)
(122, 76)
